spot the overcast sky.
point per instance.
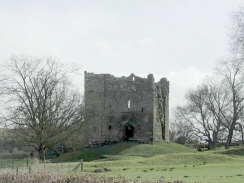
(177, 39)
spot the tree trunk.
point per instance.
(229, 138)
(41, 153)
(215, 138)
(40, 156)
(242, 135)
(227, 144)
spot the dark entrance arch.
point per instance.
(129, 132)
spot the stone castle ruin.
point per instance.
(125, 108)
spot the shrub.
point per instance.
(47, 177)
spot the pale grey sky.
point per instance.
(177, 39)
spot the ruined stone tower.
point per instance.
(125, 108)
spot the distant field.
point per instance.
(165, 161)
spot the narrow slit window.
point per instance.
(142, 109)
(129, 104)
(133, 78)
(110, 127)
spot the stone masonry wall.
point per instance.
(114, 105)
(138, 94)
(94, 107)
(161, 109)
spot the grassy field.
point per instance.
(165, 161)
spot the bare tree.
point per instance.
(237, 32)
(7, 142)
(42, 108)
(198, 114)
(218, 103)
(215, 108)
(231, 75)
(181, 132)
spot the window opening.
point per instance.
(142, 109)
(129, 104)
(110, 127)
(133, 78)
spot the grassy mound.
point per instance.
(96, 153)
(162, 147)
(164, 159)
(186, 158)
(233, 151)
(124, 149)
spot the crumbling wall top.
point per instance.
(132, 77)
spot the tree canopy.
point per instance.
(42, 105)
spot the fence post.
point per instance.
(81, 165)
(27, 162)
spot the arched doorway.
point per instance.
(128, 132)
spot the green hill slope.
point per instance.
(125, 149)
(161, 147)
